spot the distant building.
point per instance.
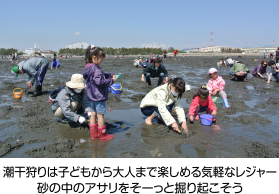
(154, 45)
(47, 51)
(28, 51)
(82, 45)
(260, 49)
(216, 49)
(191, 50)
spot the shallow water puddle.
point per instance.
(252, 103)
(130, 116)
(189, 151)
(19, 152)
(250, 87)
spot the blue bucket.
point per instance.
(116, 88)
(206, 119)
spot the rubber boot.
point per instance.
(38, 91)
(225, 100)
(197, 115)
(103, 134)
(208, 111)
(94, 134)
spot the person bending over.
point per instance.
(36, 68)
(274, 68)
(55, 63)
(261, 69)
(159, 102)
(239, 71)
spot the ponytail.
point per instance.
(202, 92)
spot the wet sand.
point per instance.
(247, 129)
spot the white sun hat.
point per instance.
(77, 81)
(212, 70)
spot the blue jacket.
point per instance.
(55, 63)
(31, 67)
(97, 82)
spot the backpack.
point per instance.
(54, 94)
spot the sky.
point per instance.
(125, 23)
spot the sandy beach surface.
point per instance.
(249, 128)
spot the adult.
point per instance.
(222, 62)
(165, 54)
(55, 63)
(277, 55)
(174, 54)
(271, 56)
(72, 102)
(274, 69)
(229, 62)
(261, 69)
(159, 102)
(137, 62)
(239, 71)
(36, 68)
(155, 69)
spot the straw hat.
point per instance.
(77, 81)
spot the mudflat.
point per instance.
(249, 128)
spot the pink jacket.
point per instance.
(212, 85)
(196, 101)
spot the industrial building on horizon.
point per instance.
(82, 45)
(154, 45)
(260, 49)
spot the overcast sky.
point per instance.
(126, 23)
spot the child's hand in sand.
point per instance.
(191, 118)
(142, 79)
(214, 112)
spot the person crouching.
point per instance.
(71, 102)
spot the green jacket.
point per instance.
(238, 67)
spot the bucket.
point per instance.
(206, 119)
(18, 94)
(187, 87)
(116, 88)
(217, 99)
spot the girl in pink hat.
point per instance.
(216, 86)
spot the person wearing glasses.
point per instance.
(260, 70)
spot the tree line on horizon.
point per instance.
(114, 51)
(229, 50)
(8, 51)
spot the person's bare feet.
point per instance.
(148, 121)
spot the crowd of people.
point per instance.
(83, 99)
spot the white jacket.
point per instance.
(161, 97)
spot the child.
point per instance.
(274, 69)
(201, 102)
(216, 85)
(97, 91)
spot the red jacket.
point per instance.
(196, 101)
(175, 53)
